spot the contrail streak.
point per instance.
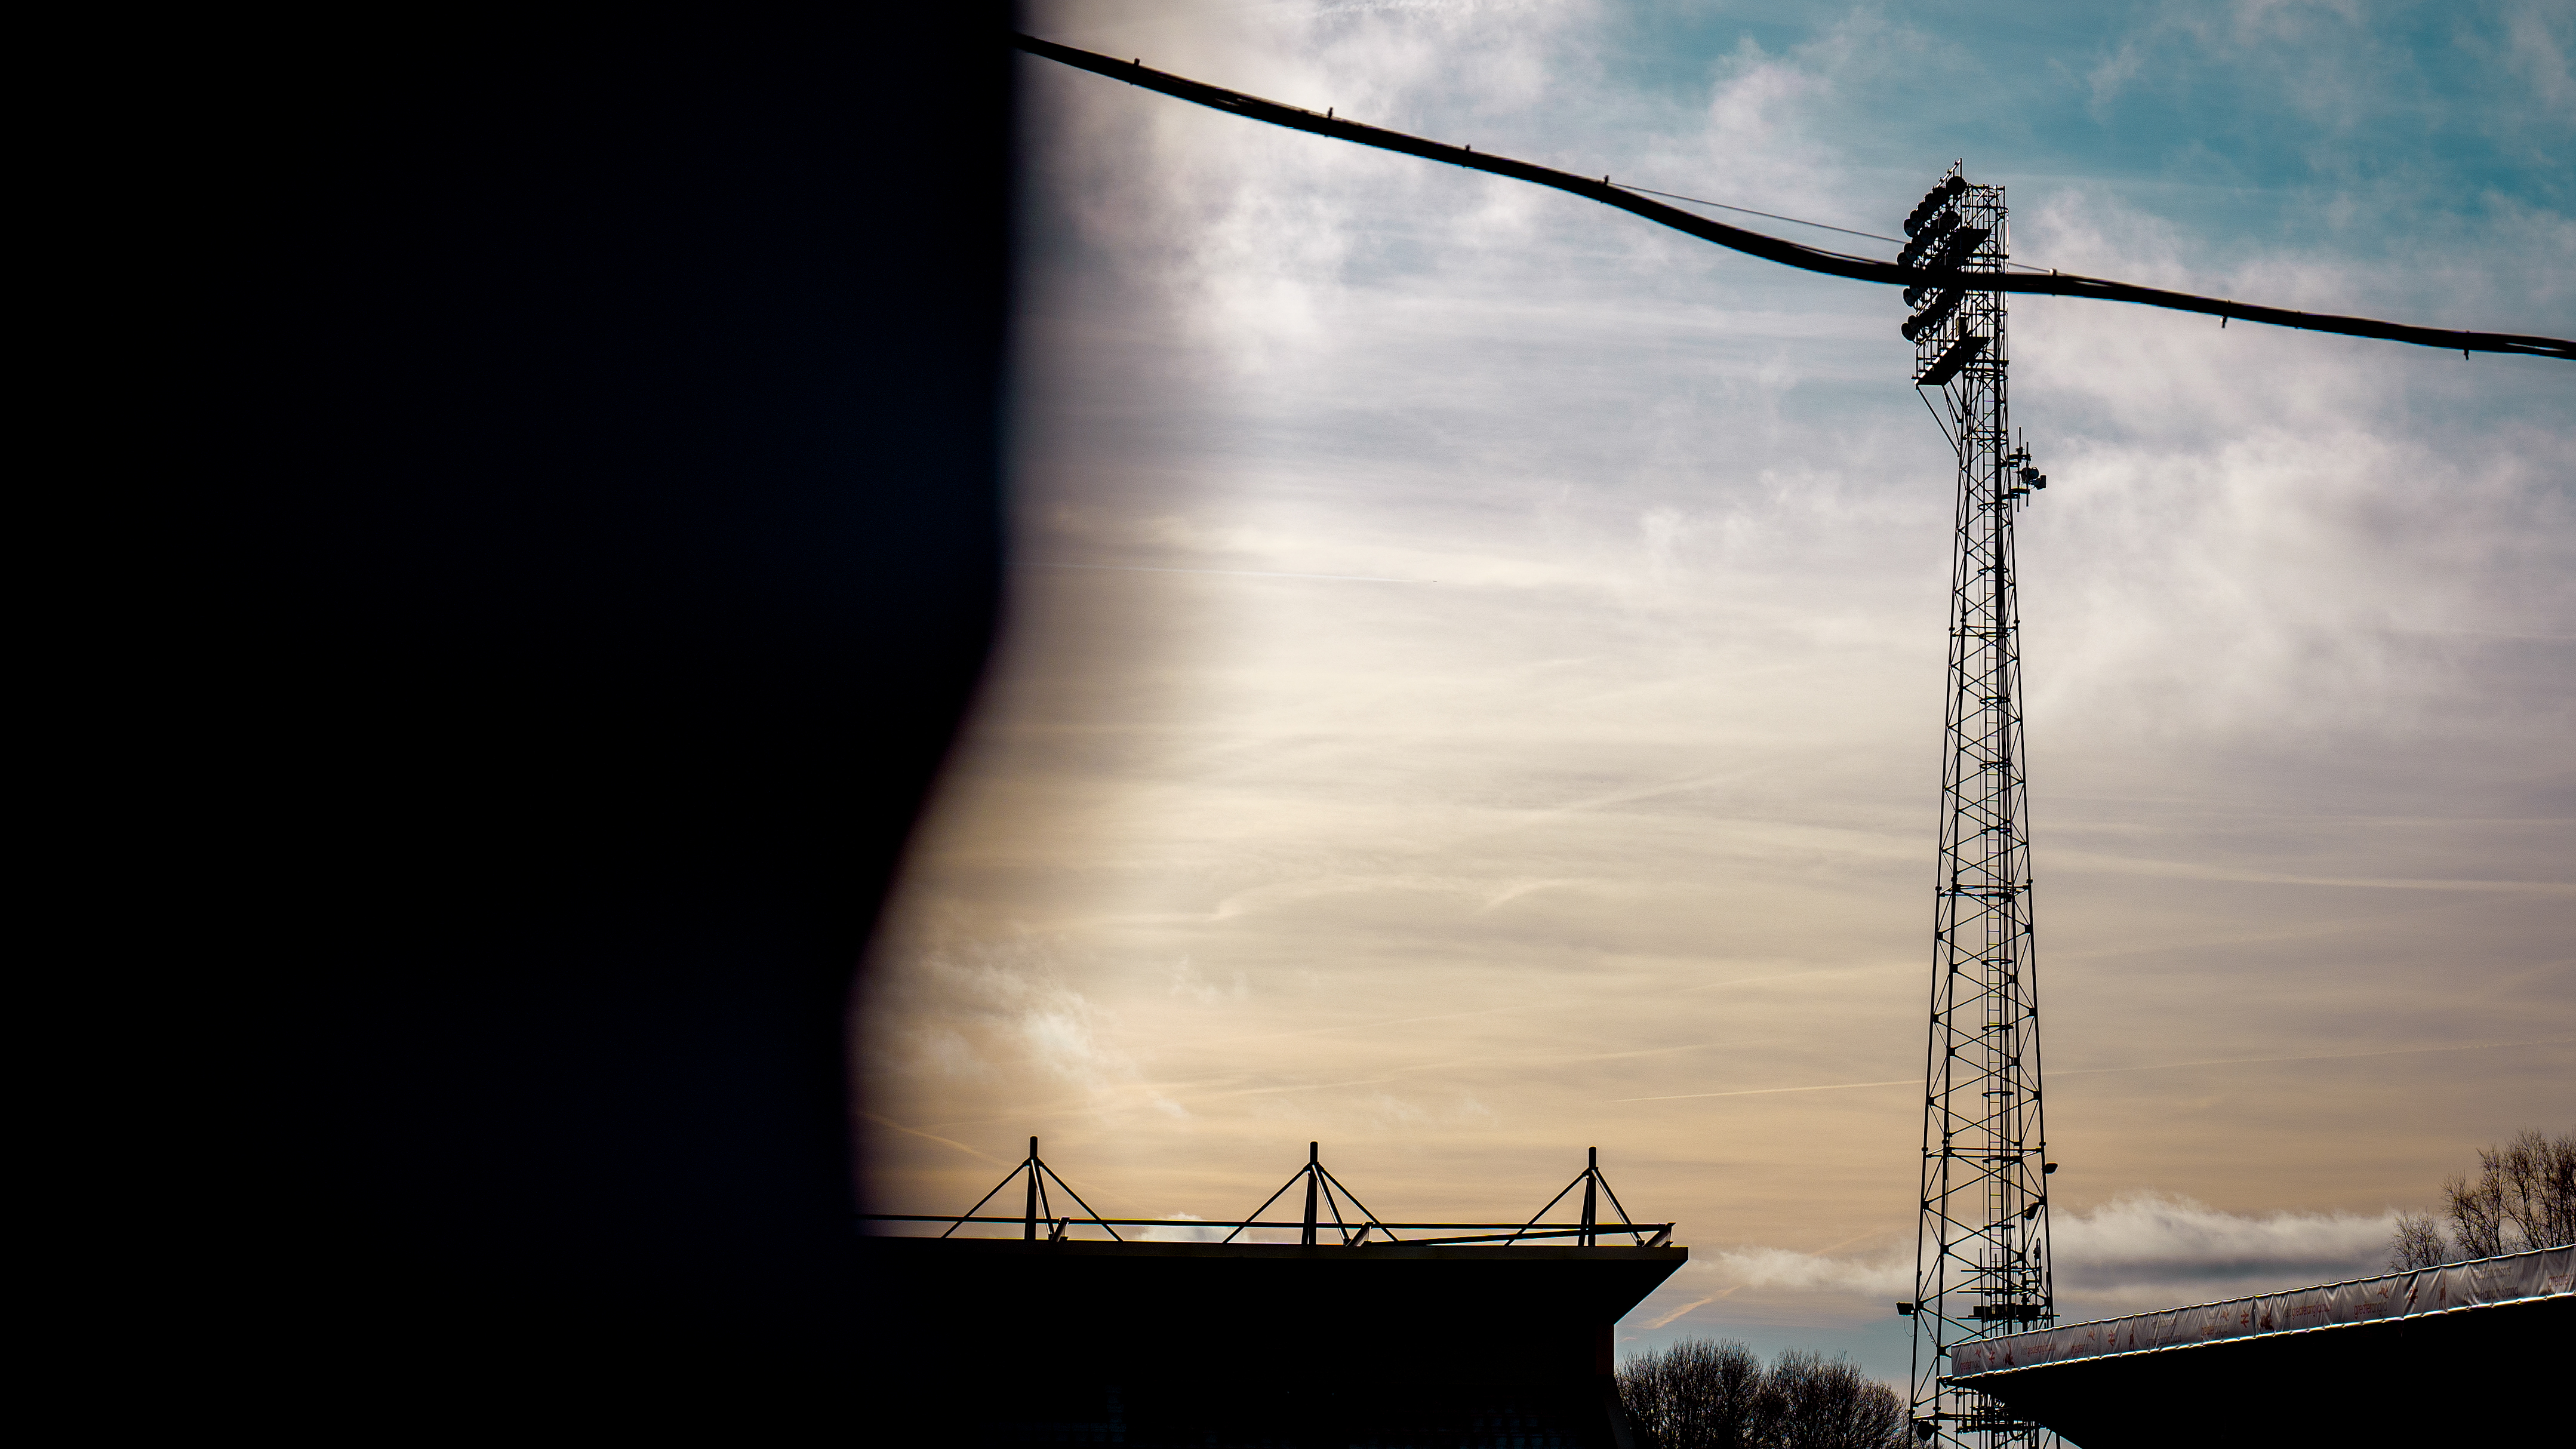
(1687, 1307)
(1232, 573)
(935, 1137)
(2476, 1046)
(1773, 1091)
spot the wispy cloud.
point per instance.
(1668, 1316)
(2139, 1252)
(2078, 1071)
(1001, 1008)
(2151, 1250)
(1621, 835)
(1774, 1091)
(892, 1125)
(1228, 573)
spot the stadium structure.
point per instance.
(1162, 1333)
(2462, 1353)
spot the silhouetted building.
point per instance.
(1010, 1342)
(2467, 1352)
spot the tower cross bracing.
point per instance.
(1981, 1254)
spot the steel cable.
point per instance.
(1779, 249)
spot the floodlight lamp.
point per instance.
(1926, 237)
(1932, 316)
(1933, 201)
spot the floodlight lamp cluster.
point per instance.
(1938, 239)
(1947, 229)
(1943, 192)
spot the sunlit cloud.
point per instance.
(1620, 833)
(2141, 1251)
(2149, 1250)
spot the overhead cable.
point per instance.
(1779, 249)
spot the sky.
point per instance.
(1473, 673)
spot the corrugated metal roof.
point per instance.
(2541, 1273)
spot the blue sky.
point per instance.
(2349, 124)
(1473, 688)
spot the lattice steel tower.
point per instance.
(1981, 1256)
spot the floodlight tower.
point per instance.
(1981, 1253)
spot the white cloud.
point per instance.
(2113, 75)
(2538, 39)
(2140, 1252)
(1003, 1011)
(1886, 1276)
(1174, 1234)
(1187, 983)
(2154, 1250)
(2297, 616)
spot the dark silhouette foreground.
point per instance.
(1702, 1394)
(616, 479)
(2331, 1363)
(1156, 1345)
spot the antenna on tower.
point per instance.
(1981, 1251)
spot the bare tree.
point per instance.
(2535, 1178)
(2523, 1197)
(1700, 1394)
(1697, 1394)
(1831, 1405)
(2558, 1224)
(2477, 1215)
(2418, 1244)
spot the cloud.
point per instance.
(892, 1125)
(2154, 1250)
(1004, 1010)
(2113, 75)
(1888, 1276)
(1187, 983)
(2141, 1251)
(1665, 1318)
(2538, 39)
(1174, 1234)
(1457, 871)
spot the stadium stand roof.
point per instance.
(2461, 1349)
